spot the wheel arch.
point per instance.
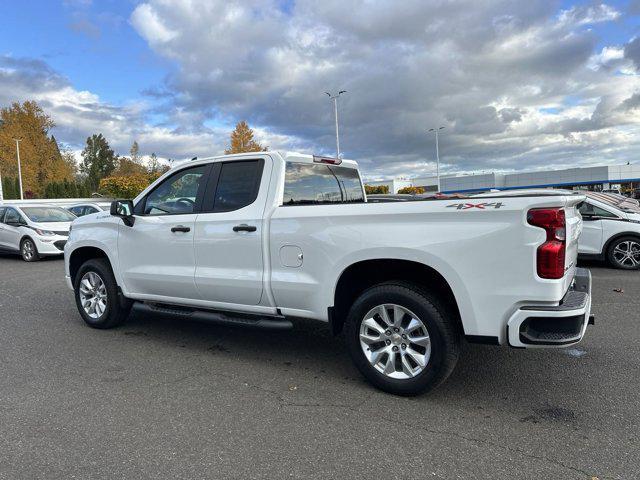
(361, 275)
(615, 237)
(81, 255)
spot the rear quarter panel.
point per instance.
(487, 255)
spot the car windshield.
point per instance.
(48, 214)
(619, 201)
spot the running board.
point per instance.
(216, 317)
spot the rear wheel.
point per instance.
(401, 339)
(624, 253)
(97, 298)
(29, 251)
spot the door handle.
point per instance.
(243, 227)
(180, 228)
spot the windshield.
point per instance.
(619, 201)
(48, 214)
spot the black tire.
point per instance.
(29, 254)
(623, 242)
(440, 324)
(117, 309)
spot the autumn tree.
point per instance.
(242, 140)
(98, 160)
(40, 158)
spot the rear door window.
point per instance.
(318, 184)
(238, 185)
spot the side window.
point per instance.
(589, 209)
(12, 216)
(238, 185)
(177, 194)
(89, 210)
(312, 184)
(77, 211)
(2, 210)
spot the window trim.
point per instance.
(211, 191)
(138, 209)
(340, 186)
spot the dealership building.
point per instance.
(602, 177)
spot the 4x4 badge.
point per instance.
(481, 206)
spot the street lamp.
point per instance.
(437, 154)
(335, 109)
(19, 167)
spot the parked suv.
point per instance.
(34, 231)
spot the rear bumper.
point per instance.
(554, 326)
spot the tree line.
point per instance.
(49, 171)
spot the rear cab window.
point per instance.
(321, 184)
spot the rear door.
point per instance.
(228, 233)
(156, 253)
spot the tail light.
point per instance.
(551, 254)
(328, 160)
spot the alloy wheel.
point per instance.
(28, 250)
(395, 341)
(627, 253)
(93, 295)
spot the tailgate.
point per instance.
(574, 229)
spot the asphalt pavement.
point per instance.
(161, 398)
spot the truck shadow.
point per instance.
(486, 374)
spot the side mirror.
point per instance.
(124, 210)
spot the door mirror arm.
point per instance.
(124, 210)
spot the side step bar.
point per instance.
(216, 317)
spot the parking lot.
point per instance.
(159, 398)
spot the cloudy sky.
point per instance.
(518, 85)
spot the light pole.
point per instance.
(335, 109)
(19, 167)
(437, 155)
(1, 192)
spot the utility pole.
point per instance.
(436, 130)
(335, 109)
(19, 167)
(1, 192)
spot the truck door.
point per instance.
(229, 232)
(156, 254)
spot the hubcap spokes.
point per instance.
(395, 341)
(627, 253)
(93, 295)
(27, 249)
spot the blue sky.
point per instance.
(92, 45)
(519, 85)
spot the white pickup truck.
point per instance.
(263, 239)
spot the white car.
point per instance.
(263, 239)
(34, 231)
(82, 209)
(611, 230)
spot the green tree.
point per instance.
(98, 161)
(242, 140)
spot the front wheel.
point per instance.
(29, 251)
(401, 339)
(624, 253)
(96, 293)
